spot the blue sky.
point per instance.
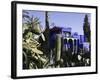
(62, 19)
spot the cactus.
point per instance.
(58, 50)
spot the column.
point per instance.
(73, 45)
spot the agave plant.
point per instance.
(33, 57)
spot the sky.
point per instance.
(62, 19)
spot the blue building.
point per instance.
(70, 40)
(66, 32)
(81, 39)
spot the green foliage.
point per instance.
(86, 28)
(33, 57)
